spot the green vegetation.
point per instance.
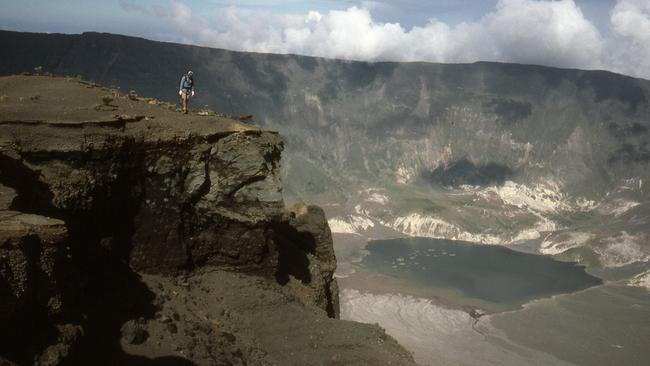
(583, 255)
(572, 219)
(169, 106)
(319, 186)
(207, 112)
(509, 110)
(407, 199)
(107, 99)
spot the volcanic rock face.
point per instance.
(32, 248)
(209, 203)
(90, 201)
(307, 262)
(33, 270)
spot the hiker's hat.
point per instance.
(190, 73)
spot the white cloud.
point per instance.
(314, 16)
(541, 32)
(629, 45)
(546, 32)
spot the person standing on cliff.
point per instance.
(186, 89)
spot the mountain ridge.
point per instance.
(176, 43)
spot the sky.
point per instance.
(612, 35)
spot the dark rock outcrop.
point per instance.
(307, 262)
(90, 205)
(34, 265)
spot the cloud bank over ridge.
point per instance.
(545, 32)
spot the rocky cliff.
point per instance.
(132, 234)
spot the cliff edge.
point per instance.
(132, 234)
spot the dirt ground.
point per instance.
(224, 318)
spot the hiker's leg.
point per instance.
(184, 101)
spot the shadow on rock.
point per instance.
(114, 297)
(160, 361)
(293, 247)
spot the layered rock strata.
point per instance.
(99, 189)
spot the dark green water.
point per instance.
(489, 273)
